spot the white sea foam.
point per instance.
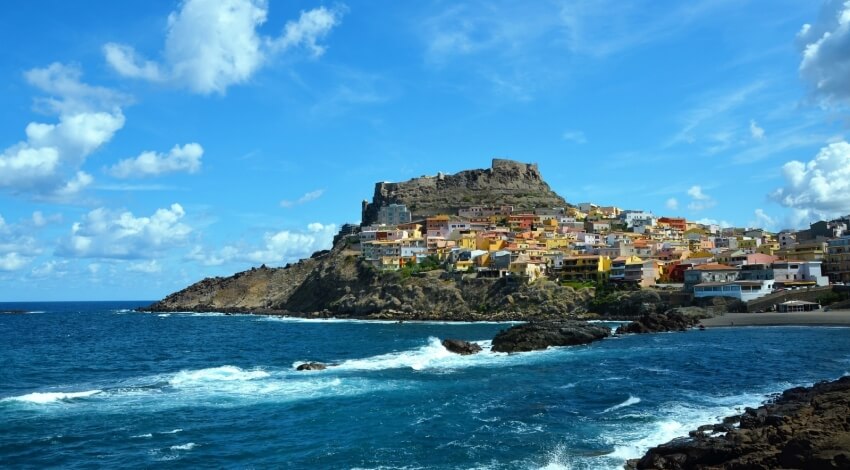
(277, 318)
(164, 315)
(187, 446)
(632, 400)
(216, 374)
(142, 436)
(173, 431)
(43, 398)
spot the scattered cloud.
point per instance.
(719, 223)
(826, 52)
(277, 248)
(763, 220)
(672, 204)
(756, 132)
(52, 268)
(708, 113)
(40, 220)
(12, 262)
(819, 187)
(120, 235)
(186, 158)
(699, 200)
(148, 267)
(574, 136)
(213, 44)
(18, 246)
(307, 197)
(46, 165)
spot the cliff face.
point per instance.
(337, 284)
(506, 182)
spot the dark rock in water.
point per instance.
(459, 346)
(541, 335)
(658, 322)
(13, 312)
(312, 366)
(803, 428)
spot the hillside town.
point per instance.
(592, 244)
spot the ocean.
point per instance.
(94, 384)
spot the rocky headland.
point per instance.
(336, 283)
(803, 428)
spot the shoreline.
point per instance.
(801, 427)
(815, 318)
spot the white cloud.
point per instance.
(106, 234)
(12, 262)
(756, 132)
(47, 163)
(699, 200)
(696, 193)
(763, 220)
(186, 158)
(819, 187)
(52, 268)
(287, 246)
(213, 44)
(826, 51)
(307, 197)
(574, 136)
(720, 223)
(126, 62)
(311, 26)
(148, 267)
(672, 204)
(40, 220)
(277, 248)
(18, 247)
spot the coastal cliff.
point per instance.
(804, 427)
(336, 283)
(506, 182)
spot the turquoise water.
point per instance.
(97, 385)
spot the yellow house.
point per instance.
(468, 242)
(585, 268)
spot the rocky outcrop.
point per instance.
(541, 335)
(507, 182)
(338, 284)
(311, 366)
(628, 303)
(659, 322)
(803, 428)
(13, 312)
(459, 346)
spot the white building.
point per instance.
(741, 290)
(799, 273)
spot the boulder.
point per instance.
(659, 322)
(459, 346)
(541, 335)
(312, 366)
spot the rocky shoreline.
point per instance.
(802, 428)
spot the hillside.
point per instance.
(506, 182)
(337, 284)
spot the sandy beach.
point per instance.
(816, 318)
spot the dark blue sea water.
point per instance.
(87, 385)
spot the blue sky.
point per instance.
(146, 145)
